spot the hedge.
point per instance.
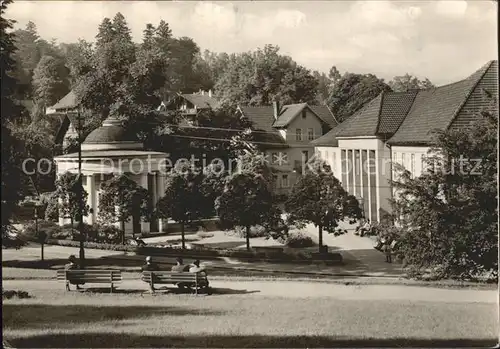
(299, 256)
(93, 245)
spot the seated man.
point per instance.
(365, 228)
(179, 267)
(195, 268)
(150, 266)
(72, 266)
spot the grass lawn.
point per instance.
(76, 320)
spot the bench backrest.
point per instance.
(171, 276)
(90, 275)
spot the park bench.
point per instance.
(193, 281)
(89, 276)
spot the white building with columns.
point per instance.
(111, 150)
(396, 127)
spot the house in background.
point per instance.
(62, 111)
(396, 127)
(284, 134)
(190, 104)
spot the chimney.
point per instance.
(276, 109)
(210, 93)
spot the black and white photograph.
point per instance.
(250, 174)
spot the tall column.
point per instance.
(162, 223)
(91, 199)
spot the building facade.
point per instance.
(284, 134)
(111, 150)
(397, 127)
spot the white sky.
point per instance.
(442, 40)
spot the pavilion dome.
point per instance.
(111, 135)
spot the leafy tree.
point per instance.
(120, 199)
(448, 217)
(185, 200)
(334, 75)
(323, 89)
(257, 78)
(319, 198)
(11, 147)
(49, 81)
(409, 82)
(247, 200)
(352, 91)
(70, 193)
(78, 58)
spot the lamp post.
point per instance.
(80, 196)
(41, 236)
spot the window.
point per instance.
(412, 165)
(310, 134)
(275, 181)
(304, 114)
(284, 181)
(298, 134)
(403, 159)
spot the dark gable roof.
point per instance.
(325, 114)
(395, 107)
(288, 113)
(263, 120)
(436, 108)
(409, 117)
(201, 101)
(67, 102)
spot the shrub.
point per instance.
(256, 231)
(94, 245)
(29, 232)
(109, 234)
(299, 240)
(8, 294)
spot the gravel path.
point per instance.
(300, 289)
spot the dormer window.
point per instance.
(304, 114)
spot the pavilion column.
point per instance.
(160, 186)
(92, 200)
(143, 182)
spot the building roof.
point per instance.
(111, 153)
(201, 101)
(436, 108)
(325, 114)
(112, 131)
(408, 117)
(287, 114)
(262, 119)
(67, 102)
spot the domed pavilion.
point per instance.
(112, 149)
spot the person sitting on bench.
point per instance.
(195, 268)
(179, 267)
(150, 266)
(72, 266)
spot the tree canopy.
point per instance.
(409, 82)
(259, 77)
(319, 198)
(352, 91)
(447, 217)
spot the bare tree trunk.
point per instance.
(123, 231)
(320, 235)
(247, 236)
(183, 239)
